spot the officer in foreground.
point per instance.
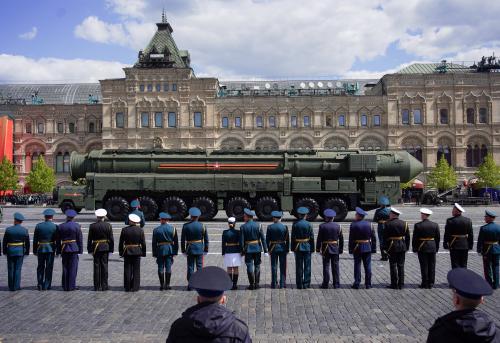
(253, 242)
(194, 242)
(303, 246)
(425, 243)
(131, 247)
(396, 244)
(330, 244)
(362, 243)
(380, 217)
(136, 205)
(209, 320)
(488, 245)
(466, 323)
(458, 237)
(165, 247)
(16, 244)
(69, 246)
(44, 247)
(278, 245)
(231, 251)
(100, 244)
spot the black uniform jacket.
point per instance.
(426, 237)
(458, 226)
(469, 325)
(395, 228)
(132, 242)
(208, 322)
(100, 238)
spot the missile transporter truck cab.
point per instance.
(173, 181)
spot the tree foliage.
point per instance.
(406, 185)
(488, 173)
(41, 178)
(8, 176)
(442, 176)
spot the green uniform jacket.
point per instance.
(252, 238)
(302, 236)
(277, 238)
(165, 241)
(44, 238)
(488, 234)
(194, 238)
(16, 241)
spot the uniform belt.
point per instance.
(132, 245)
(232, 244)
(455, 238)
(381, 221)
(302, 240)
(252, 242)
(68, 241)
(324, 245)
(43, 243)
(164, 243)
(423, 240)
(277, 242)
(195, 241)
(97, 242)
(397, 238)
(360, 241)
(16, 244)
(330, 242)
(273, 244)
(490, 244)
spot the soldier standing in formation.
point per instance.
(488, 245)
(100, 244)
(231, 251)
(330, 243)
(131, 247)
(425, 243)
(362, 243)
(302, 245)
(458, 237)
(194, 242)
(165, 247)
(278, 245)
(16, 244)
(380, 217)
(253, 242)
(44, 247)
(69, 246)
(396, 244)
(136, 205)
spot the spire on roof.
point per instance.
(163, 17)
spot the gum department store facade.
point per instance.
(427, 109)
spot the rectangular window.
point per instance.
(405, 117)
(237, 122)
(443, 116)
(417, 116)
(307, 121)
(174, 87)
(225, 122)
(342, 120)
(328, 121)
(483, 115)
(141, 88)
(259, 122)
(172, 119)
(145, 119)
(91, 127)
(364, 120)
(150, 87)
(376, 120)
(120, 120)
(272, 121)
(158, 119)
(293, 121)
(158, 87)
(60, 128)
(197, 119)
(165, 87)
(40, 128)
(59, 163)
(71, 127)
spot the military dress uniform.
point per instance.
(100, 244)
(231, 250)
(396, 244)
(425, 243)
(278, 245)
(302, 243)
(194, 242)
(44, 247)
(131, 247)
(69, 246)
(253, 241)
(135, 204)
(165, 247)
(458, 238)
(362, 243)
(330, 244)
(16, 244)
(380, 217)
(488, 245)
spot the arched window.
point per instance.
(272, 121)
(469, 156)
(59, 163)
(413, 149)
(444, 150)
(259, 122)
(475, 154)
(364, 120)
(484, 152)
(471, 116)
(27, 163)
(66, 162)
(371, 144)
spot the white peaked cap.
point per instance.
(395, 210)
(425, 211)
(101, 212)
(458, 207)
(134, 218)
(231, 220)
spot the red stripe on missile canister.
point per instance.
(219, 166)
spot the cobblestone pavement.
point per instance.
(287, 315)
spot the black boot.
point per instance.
(401, 279)
(161, 276)
(251, 281)
(235, 282)
(257, 279)
(167, 281)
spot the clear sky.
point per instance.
(88, 40)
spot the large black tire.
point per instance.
(67, 205)
(311, 204)
(338, 205)
(149, 207)
(235, 207)
(206, 206)
(117, 207)
(176, 207)
(264, 207)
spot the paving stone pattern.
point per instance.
(286, 315)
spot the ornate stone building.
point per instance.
(427, 109)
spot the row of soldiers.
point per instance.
(248, 243)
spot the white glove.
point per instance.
(266, 254)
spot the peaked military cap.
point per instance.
(360, 211)
(468, 284)
(18, 216)
(70, 213)
(490, 213)
(425, 211)
(231, 220)
(164, 215)
(135, 203)
(194, 212)
(101, 212)
(249, 212)
(134, 218)
(458, 207)
(48, 212)
(277, 214)
(210, 281)
(329, 213)
(384, 201)
(395, 210)
(302, 210)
